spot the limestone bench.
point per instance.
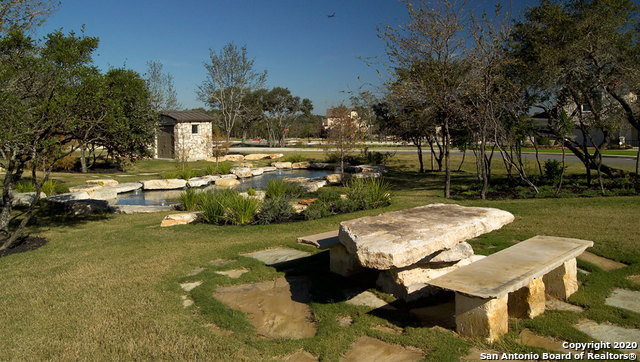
(512, 282)
(321, 241)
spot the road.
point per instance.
(611, 160)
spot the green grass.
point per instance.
(107, 287)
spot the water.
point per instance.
(168, 197)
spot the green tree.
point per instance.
(282, 110)
(344, 135)
(39, 84)
(162, 93)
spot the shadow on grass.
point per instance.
(48, 215)
(326, 287)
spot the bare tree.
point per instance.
(163, 95)
(434, 37)
(344, 135)
(230, 76)
(24, 14)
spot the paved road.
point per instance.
(611, 160)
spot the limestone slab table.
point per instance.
(403, 238)
(512, 281)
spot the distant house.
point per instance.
(353, 114)
(185, 135)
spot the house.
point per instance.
(184, 135)
(363, 124)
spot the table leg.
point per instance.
(562, 281)
(528, 301)
(478, 317)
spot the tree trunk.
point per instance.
(83, 159)
(447, 166)
(637, 157)
(563, 167)
(535, 147)
(464, 152)
(419, 145)
(485, 177)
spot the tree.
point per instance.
(162, 93)
(282, 109)
(24, 14)
(345, 134)
(252, 111)
(39, 86)
(230, 76)
(434, 37)
(581, 58)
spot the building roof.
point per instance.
(188, 116)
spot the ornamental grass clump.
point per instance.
(190, 199)
(241, 210)
(278, 188)
(369, 193)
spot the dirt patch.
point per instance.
(371, 349)
(27, 243)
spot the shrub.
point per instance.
(369, 192)
(376, 158)
(213, 205)
(185, 174)
(251, 191)
(275, 211)
(52, 187)
(296, 157)
(317, 210)
(278, 188)
(241, 210)
(66, 163)
(344, 206)
(328, 196)
(24, 185)
(189, 199)
(552, 171)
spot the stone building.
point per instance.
(184, 135)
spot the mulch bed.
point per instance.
(26, 244)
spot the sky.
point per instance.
(302, 49)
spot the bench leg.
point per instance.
(478, 317)
(343, 263)
(528, 301)
(562, 281)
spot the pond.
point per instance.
(168, 197)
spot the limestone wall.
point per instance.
(192, 146)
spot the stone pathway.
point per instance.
(277, 255)
(367, 299)
(367, 349)
(609, 333)
(187, 287)
(276, 308)
(625, 299)
(603, 263)
(529, 338)
(195, 271)
(389, 329)
(556, 304)
(233, 273)
(186, 302)
(344, 321)
(220, 262)
(301, 356)
(634, 278)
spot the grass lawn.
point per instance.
(107, 287)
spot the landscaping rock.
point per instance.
(255, 157)
(531, 339)
(277, 255)
(602, 263)
(634, 278)
(609, 333)
(625, 299)
(84, 188)
(186, 302)
(257, 171)
(301, 356)
(367, 299)
(402, 238)
(276, 308)
(241, 172)
(281, 165)
(201, 181)
(324, 240)
(334, 178)
(412, 283)
(307, 201)
(246, 164)
(229, 175)
(259, 195)
(323, 166)
(343, 263)
(103, 182)
(233, 273)
(195, 271)
(313, 186)
(139, 209)
(187, 287)
(366, 175)
(127, 187)
(234, 158)
(268, 169)
(179, 219)
(370, 349)
(104, 193)
(25, 198)
(458, 252)
(275, 156)
(165, 184)
(297, 208)
(227, 182)
(61, 198)
(300, 165)
(86, 207)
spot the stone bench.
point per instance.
(512, 282)
(321, 241)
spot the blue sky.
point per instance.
(316, 57)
